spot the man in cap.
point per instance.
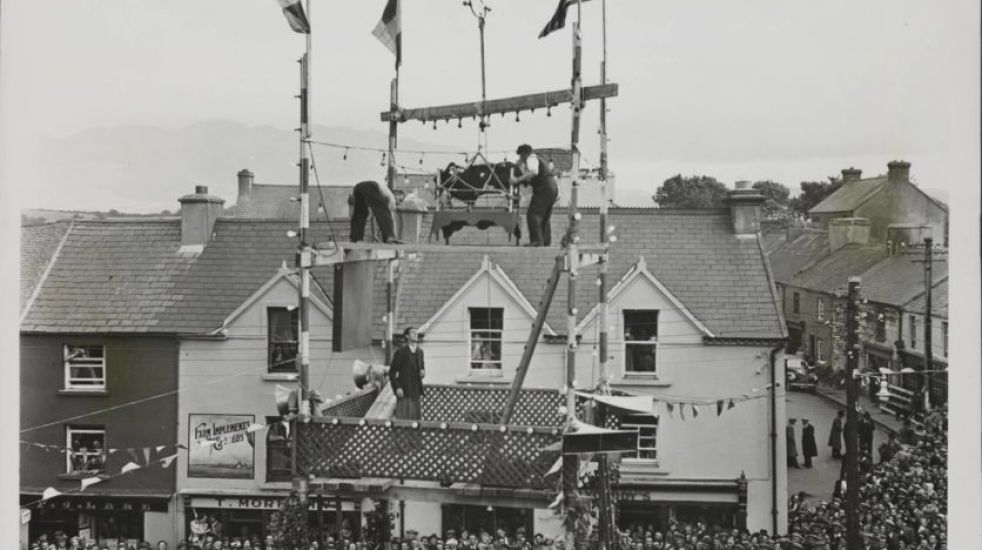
(536, 173)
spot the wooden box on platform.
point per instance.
(353, 294)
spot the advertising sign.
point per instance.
(220, 445)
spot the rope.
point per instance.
(386, 150)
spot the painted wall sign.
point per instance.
(114, 505)
(219, 445)
(264, 503)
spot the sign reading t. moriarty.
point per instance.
(220, 445)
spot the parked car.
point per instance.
(799, 375)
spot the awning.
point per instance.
(638, 404)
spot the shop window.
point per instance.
(85, 367)
(912, 331)
(87, 449)
(277, 450)
(647, 428)
(640, 340)
(282, 340)
(487, 324)
(944, 338)
(796, 303)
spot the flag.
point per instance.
(719, 407)
(389, 29)
(129, 467)
(558, 500)
(730, 405)
(167, 461)
(695, 411)
(89, 481)
(558, 20)
(293, 10)
(50, 493)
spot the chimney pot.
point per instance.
(851, 174)
(200, 189)
(898, 171)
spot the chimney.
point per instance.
(245, 185)
(745, 203)
(851, 174)
(898, 171)
(843, 231)
(198, 214)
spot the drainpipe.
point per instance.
(773, 375)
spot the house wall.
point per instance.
(230, 376)
(937, 335)
(807, 317)
(902, 203)
(688, 449)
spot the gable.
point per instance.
(250, 319)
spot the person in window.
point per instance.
(377, 197)
(536, 173)
(406, 376)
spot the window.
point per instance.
(796, 302)
(87, 449)
(881, 326)
(647, 428)
(944, 338)
(85, 367)
(640, 340)
(277, 450)
(820, 349)
(283, 329)
(820, 309)
(912, 330)
(485, 342)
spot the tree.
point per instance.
(690, 192)
(776, 195)
(289, 526)
(378, 525)
(814, 192)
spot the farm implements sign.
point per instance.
(220, 445)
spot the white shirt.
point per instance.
(532, 164)
(390, 199)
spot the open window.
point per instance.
(283, 338)
(486, 325)
(640, 341)
(87, 449)
(85, 367)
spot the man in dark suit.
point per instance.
(406, 376)
(835, 434)
(809, 447)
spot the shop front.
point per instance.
(106, 519)
(655, 506)
(248, 516)
(477, 519)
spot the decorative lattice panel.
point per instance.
(354, 405)
(484, 405)
(448, 453)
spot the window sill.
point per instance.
(281, 377)
(642, 467)
(647, 380)
(78, 476)
(471, 379)
(95, 393)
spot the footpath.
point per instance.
(884, 420)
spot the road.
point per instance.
(817, 481)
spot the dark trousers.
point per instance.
(367, 195)
(793, 462)
(808, 461)
(407, 408)
(540, 211)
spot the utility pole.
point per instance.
(853, 540)
(928, 352)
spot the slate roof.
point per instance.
(788, 257)
(720, 278)
(127, 275)
(939, 301)
(831, 273)
(898, 279)
(273, 202)
(849, 196)
(37, 246)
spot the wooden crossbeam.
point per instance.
(500, 106)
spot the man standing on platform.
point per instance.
(544, 193)
(406, 375)
(378, 197)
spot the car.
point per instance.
(799, 375)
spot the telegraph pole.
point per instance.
(853, 541)
(928, 352)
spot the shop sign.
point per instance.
(263, 503)
(83, 505)
(220, 445)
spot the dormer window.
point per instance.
(640, 341)
(282, 340)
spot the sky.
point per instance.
(755, 89)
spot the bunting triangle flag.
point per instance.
(670, 407)
(167, 461)
(160, 448)
(559, 500)
(730, 405)
(112, 451)
(556, 466)
(182, 446)
(129, 467)
(255, 427)
(146, 455)
(89, 481)
(50, 493)
(695, 411)
(719, 407)
(682, 411)
(133, 455)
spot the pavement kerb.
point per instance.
(833, 399)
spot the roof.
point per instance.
(939, 301)
(274, 202)
(127, 276)
(831, 273)
(38, 244)
(898, 279)
(788, 257)
(720, 278)
(850, 196)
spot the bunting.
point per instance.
(695, 411)
(89, 481)
(129, 467)
(167, 461)
(50, 493)
(719, 407)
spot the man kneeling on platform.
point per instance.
(378, 197)
(536, 173)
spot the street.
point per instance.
(817, 481)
